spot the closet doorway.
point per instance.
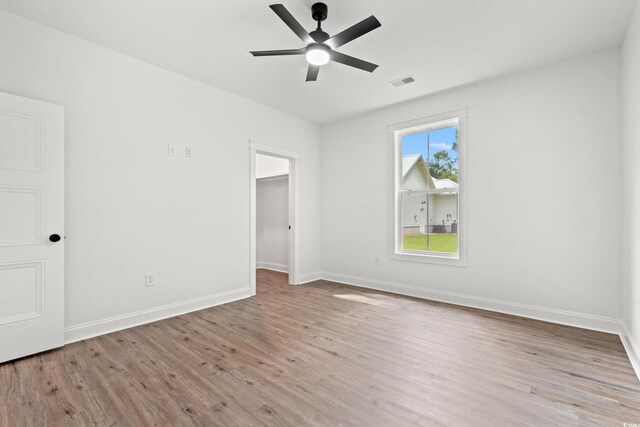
(273, 211)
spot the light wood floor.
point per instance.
(328, 354)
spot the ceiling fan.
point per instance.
(320, 48)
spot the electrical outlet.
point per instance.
(149, 279)
(187, 152)
(171, 150)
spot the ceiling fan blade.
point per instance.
(312, 73)
(352, 62)
(291, 22)
(353, 32)
(278, 52)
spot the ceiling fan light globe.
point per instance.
(317, 56)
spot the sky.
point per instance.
(441, 139)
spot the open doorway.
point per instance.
(273, 211)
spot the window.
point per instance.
(428, 195)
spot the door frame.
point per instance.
(257, 147)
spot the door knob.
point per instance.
(54, 238)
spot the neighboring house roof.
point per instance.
(444, 183)
(415, 175)
(408, 162)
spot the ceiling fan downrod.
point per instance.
(319, 12)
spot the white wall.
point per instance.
(267, 166)
(631, 180)
(554, 133)
(548, 137)
(131, 209)
(272, 223)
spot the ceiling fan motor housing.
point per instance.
(319, 11)
(319, 36)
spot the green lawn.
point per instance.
(437, 242)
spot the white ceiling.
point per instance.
(442, 43)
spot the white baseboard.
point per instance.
(272, 266)
(117, 323)
(598, 323)
(309, 277)
(632, 348)
(580, 320)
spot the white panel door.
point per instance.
(31, 220)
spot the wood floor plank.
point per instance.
(328, 354)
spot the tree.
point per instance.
(454, 146)
(441, 166)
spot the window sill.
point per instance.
(456, 261)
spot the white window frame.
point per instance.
(396, 132)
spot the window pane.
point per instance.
(443, 220)
(427, 190)
(429, 219)
(415, 221)
(415, 174)
(414, 144)
(442, 153)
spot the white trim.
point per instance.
(604, 324)
(395, 229)
(632, 348)
(272, 266)
(273, 178)
(310, 277)
(293, 220)
(117, 323)
(293, 157)
(429, 258)
(432, 121)
(252, 222)
(563, 317)
(273, 150)
(438, 191)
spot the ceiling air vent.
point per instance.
(403, 81)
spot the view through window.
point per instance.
(428, 189)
